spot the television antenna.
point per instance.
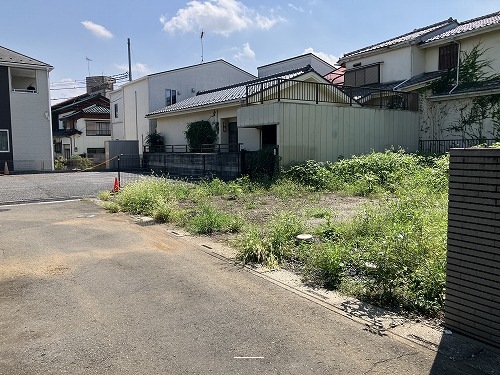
(88, 64)
(201, 38)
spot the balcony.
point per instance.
(285, 89)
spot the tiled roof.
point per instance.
(65, 132)
(8, 56)
(493, 85)
(421, 78)
(405, 38)
(94, 109)
(468, 26)
(225, 94)
(77, 102)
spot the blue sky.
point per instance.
(166, 34)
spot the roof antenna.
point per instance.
(88, 64)
(201, 38)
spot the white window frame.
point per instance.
(8, 143)
(170, 97)
(28, 80)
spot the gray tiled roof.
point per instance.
(421, 78)
(94, 109)
(412, 36)
(468, 26)
(225, 94)
(8, 56)
(493, 85)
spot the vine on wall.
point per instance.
(473, 115)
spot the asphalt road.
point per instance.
(83, 291)
(19, 188)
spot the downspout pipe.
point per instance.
(458, 67)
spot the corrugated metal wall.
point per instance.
(473, 260)
(327, 132)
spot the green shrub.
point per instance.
(199, 133)
(263, 164)
(316, 175)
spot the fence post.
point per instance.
(119, 170)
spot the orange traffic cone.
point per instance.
(117, 185)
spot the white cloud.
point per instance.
(98, 30)
(331, 59)
(294, 7)
(218, 16)
(139, 69)
(246, 53)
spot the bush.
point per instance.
(314, 174)
(263, 164)
(199, 133)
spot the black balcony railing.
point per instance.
(206, 148)
(441, 146)
(286, 89)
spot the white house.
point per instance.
(25, 126)
(416, 60)
(295, 109)
(134, 100)
(81, 126)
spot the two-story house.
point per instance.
(453, 65)
(294, 107)
(25, 130)
(81, 126)
(131, 103)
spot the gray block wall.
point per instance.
(224, 165)
(472, 304)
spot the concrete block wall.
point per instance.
(224, 165)
(472, 304)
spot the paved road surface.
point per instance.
(87, 292)
(58, 186)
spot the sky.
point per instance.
(82, 38)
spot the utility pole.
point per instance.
(129, 61)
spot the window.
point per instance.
(97, 128)
(58, 147)
(361, 76)
(116, 110)
(23, 80)
(170, 97)
(96, 154)
(448, 56)
(4, 141)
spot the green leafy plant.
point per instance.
(200, 133)
(153, 140)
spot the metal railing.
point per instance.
(441, 146)
(205, 148)
(287, 89)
